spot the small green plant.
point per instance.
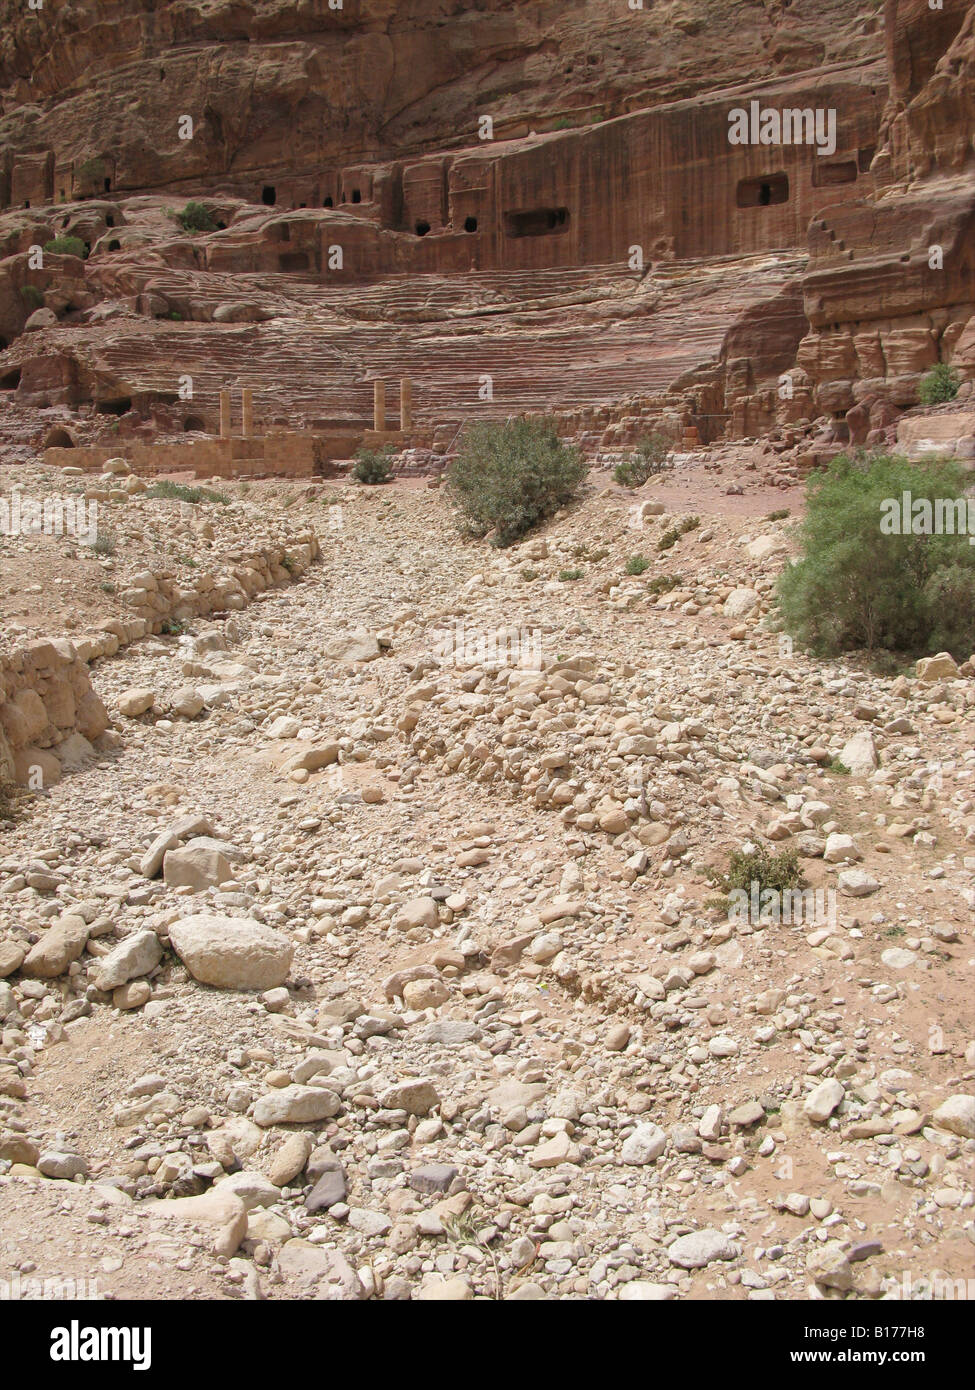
(637, 564)
(196, 218)
(663, 583)
(508, 478)
(529, 575)
(8, 801)
(66, 246)
(175, 315)
(178, 492)
(866, 578)
(567, 575)
(757, 864)
(91, 171)
(186, 560)
(107, 588)
(172, 627)
(779, 515)
(673, 534)
(32, 296)
(648, 458)
(839, 768)
(104, 543)
(373, 466)
(941, 384)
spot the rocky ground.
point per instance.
(396, 969)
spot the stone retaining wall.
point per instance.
(49, 713)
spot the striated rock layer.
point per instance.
(520, 208)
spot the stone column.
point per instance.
(247, 408)
(224, 414)
(379, 406)
(405, 403)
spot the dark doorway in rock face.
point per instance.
(537, 222)
(356, 195)
(470, 224)
(108, 185)
(121, 406)
(114, 245)
(763, 192)
(10, 380)
(268, 195)
(194, 422)
(327, 201)
(422, 228)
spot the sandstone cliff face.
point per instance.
(338, 154)
(291, 93)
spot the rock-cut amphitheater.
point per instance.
(515, 208)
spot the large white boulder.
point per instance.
(232, 952)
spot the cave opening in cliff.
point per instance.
(422, 228)
(763, 192)
(357, 195)
(536, 222)
(327, 201)
(194, 422)
(109, 220)
(3, 344)
(114, 245)
(58, 438)
(10, 380)
(108, 185)
(470, 224)
(268, 195)
(121, 405)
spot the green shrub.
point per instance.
(940, 384)
(757, 864)
(91, 171)
(104, 543)
(509, 478)
(196, 218)
(857, 586)
(66, 246)
(32, 296)
(779, 515)
(649, 457)
(567, 575)
(180, 493)
(673, 533)
(373, 466)
(663, 583)
(637, 564)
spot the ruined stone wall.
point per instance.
(289, 455)
(49, 713)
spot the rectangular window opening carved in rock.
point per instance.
(763, 192)
(537, 222)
